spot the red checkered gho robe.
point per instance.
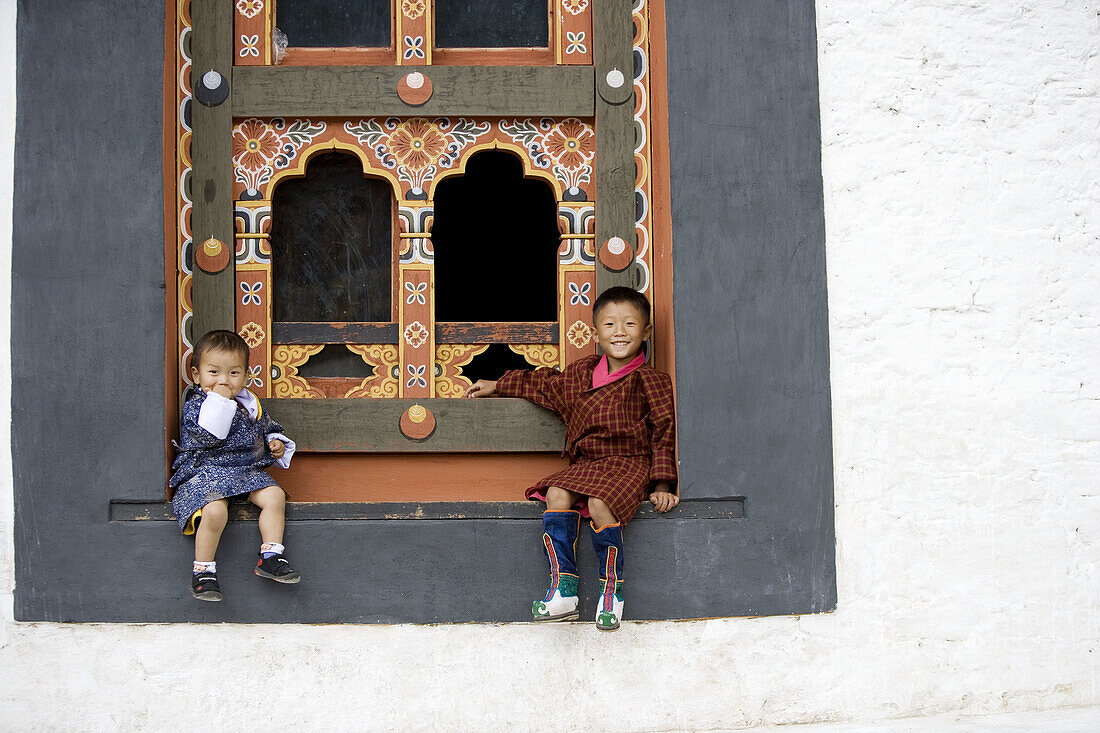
(620, 438)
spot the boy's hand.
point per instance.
(222, 389)
(662, 499)
(482, 388)
(277, 448)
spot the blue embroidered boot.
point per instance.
(608, 544)
(559, 539)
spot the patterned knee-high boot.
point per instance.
(559, 539)
(608, 544)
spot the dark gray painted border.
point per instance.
(140, 510)
(87, 355)
(752, 356)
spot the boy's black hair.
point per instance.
(620, 294)
(219, 341)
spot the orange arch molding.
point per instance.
(299, 170)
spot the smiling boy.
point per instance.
(620, 439)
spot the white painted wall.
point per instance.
(960, 162)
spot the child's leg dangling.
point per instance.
(272, 563)
(559, 539)
(608, 543)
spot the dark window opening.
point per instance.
(493, 362)
(496, 242)
(332, 244)
(335, 360)
(491, 24)
(334, 23)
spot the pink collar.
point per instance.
(600, 375)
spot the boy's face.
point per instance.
(621, 331)
(222, 371)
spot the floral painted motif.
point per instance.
(252, 293)
(416, 293)
(416, 376)
(249, 8)
(579, 334)
(249, 46)
(253, 334)
(571, 142)
(417, 143)
(255, 379)
(574, 6)
(254, 144)
(412, 9)
(579, 295)
(568, 147)
(414, 47)
(417, 147)
(260, 148)
(415, 334)
(576, 42)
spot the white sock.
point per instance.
(204, 567)
(268, 549)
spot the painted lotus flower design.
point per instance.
(571, 143)
(417, 143)
(579, 334)
(254, 144)
(253, 334)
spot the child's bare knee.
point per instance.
(558, 498)
(600, 512)
(270, 496)
(216, 513)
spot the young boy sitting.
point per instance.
(226, 440)
(620, 438)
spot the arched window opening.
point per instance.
(332, 244)
(493, 362)
(496, 241)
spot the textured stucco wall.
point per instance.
(962, 216)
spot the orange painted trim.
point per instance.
(381, 56)
(415, 477)
(168, 165)
(661, 202)
(661, 196)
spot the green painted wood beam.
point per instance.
(497, 425)
(613, 31)
(366, 91)
(212, 166)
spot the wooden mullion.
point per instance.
(305, 332)
(535, 332)
(212, 167)
(613, 39)
(468, 91)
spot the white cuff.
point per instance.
(216, 414)
(288, 452)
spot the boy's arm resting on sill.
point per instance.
(543, 386)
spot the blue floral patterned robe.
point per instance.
(208, 468)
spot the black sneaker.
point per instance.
(204, 586)
(277, 568)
